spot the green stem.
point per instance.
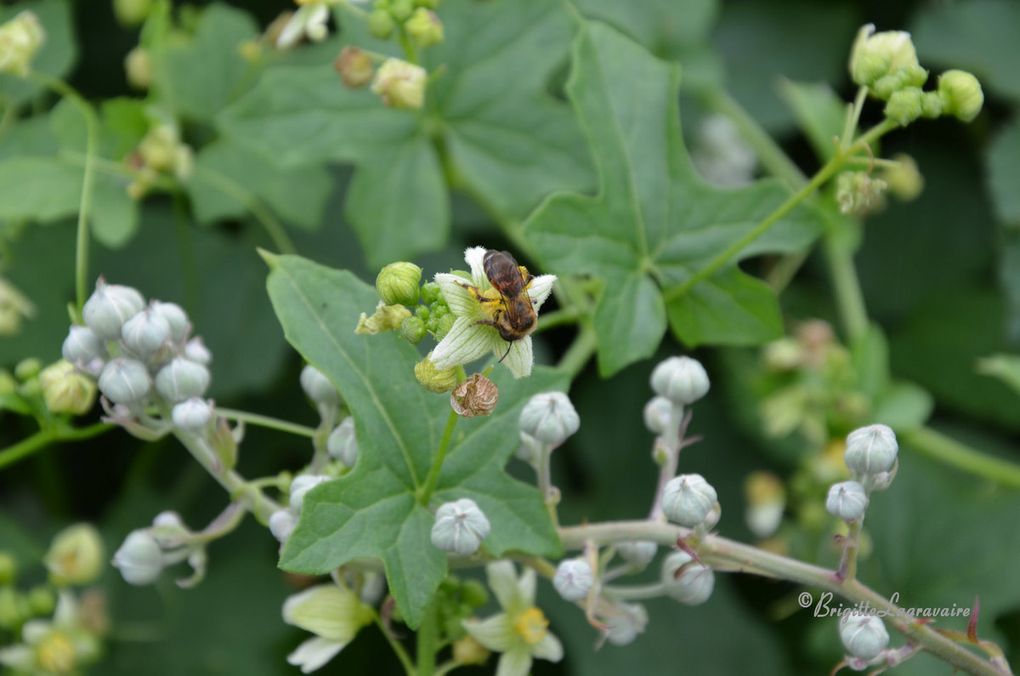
(934, 444)
(724, 553)
(428, 639)
(429, 487)
(81, 258)
(405, 43)
(853, 548)
(398, 650)
(579, 352)
(231, 188)
(558, 318)
(636, 592)
(853, 117)
(43, 438)
(846, 286)
(266, 421)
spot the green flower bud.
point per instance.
(145, 333)
(401, 9)
(131, 12)
(412, 329)
(318, 387)
(138, 68)
(26, 369)
(433, 379)
(424, 28)
(932, 105)
(468, 651)
(443, 325)
(65, 390)
(20, 39)
(904, 178)
(330, 612)
(430, 293)
(182, 379)
(8, 569)
(355, 66)
(109, 307)
(42, 600)
(397, 283)
(904, 106)
(422, 312)
(474, 594)
(124, 381)
(857, 192)
(888, 57)
(385, 318)
(961, 94)
(12, 608)
(400, 84)
(76, 555)
(381, 24)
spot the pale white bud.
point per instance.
(638, 553)
(196, 351)
(863, 636)
(550, 418)
(625, 623)
(343, 444)
(281, 524)
(688, 500)
(83, 347)
(124, 381)
(139, 559)
(658, 413)
(573, 579)
(175, 317)
(871, 450)
(686, 580)
(145, 333)
(109, 307)
(192, 414)
(182, 379)
(847, 500)
(682, 380)
(318, 387)
(300, 486)
(169, 530)
(460, 527)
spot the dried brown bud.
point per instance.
(474, 397)
(355, 67)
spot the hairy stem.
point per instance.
(720, 552)
(545, 486)
(429, 487)
(265, 421)
(427, 643)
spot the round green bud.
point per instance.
(427, 4)
(400, 84)
(932, 105)
(397, 283)
(424, 28)
(8, 568)
(439, 310)
(76, 555)
(65, 390)
(430, 293)
(904, 106)
(904, 178)
(401, 9)
(412, 329)
(885, 61)
(26, 369)
(42, 600)
(380, 24)
(443, 325)
(474, 594)
(961, 94)
(434, 379)
(131, 12)
(422, 313)
(11, 614)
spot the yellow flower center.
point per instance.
(55, 653)
(531, 626)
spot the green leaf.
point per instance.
(199, 75)
(230, 178)
(1003, 166)
(1005, 367)
(506, 140)
(819, 111)
(654, 223)
(55, 57)
(902, 406)
(976, 36)
(373, 511)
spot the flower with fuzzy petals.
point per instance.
(309, 20)
(470, 338)
(334, 614)
(520, 632)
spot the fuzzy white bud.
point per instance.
(847, 500)
(460, 527)
(196, 351)
(682, 380)
(192, 414)
(139, 559)
(638, 554)
(686, 580)
(688, 500)
(627, 621)
(175, 317)
(109, 307)
(863, 636)
(550, 418)
(318, 387)
(281, 524)
(300, 486)
(182, 379)
(83, 348)
(658, 412)
(871, 450)
(342, 443)
(145, 333)
(124, 381)
(573, 579)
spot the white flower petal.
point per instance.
(549, 648)
(20, 657)
(326, 610)
(540, 289)
(495, 633)
(34, 630)
(475, 257)
(466, 341)
(526, 587)
(293, 30)
(520, 357)
(314, 653)
(456, 294)
(514, 663)
(503, 582)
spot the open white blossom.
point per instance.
(470, 338)
(309, 20)
(333, 614)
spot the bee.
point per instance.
(513, 315)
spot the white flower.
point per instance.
(469, 338)
(334, 614)
(309, 20)
(520, 632)
(58, 645)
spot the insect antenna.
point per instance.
(509, 345)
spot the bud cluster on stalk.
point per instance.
(151, 372)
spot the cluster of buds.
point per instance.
(147, 551)
(20, 40)
(886, 63)
(59, 388)
(414, 18)
(151, 372)
(60, 630)
(160, 153)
